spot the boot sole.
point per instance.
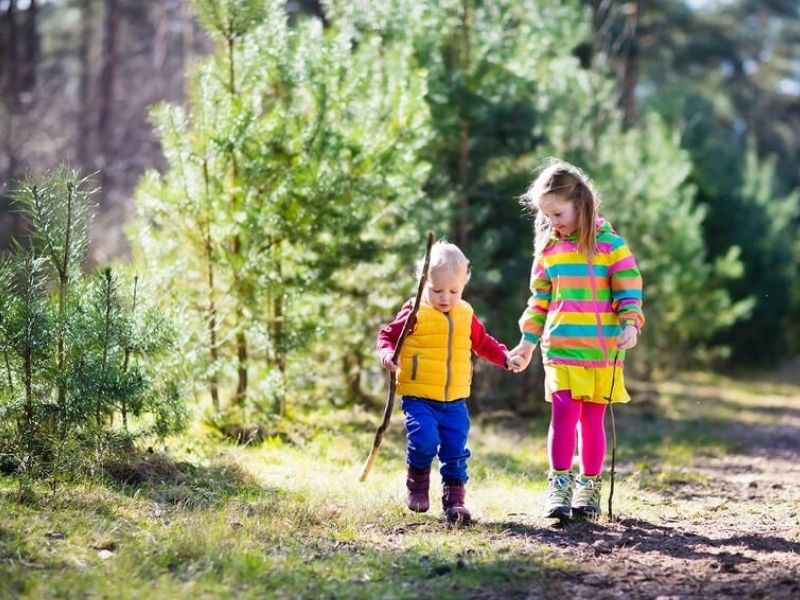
(584, 514)
(459, 519)
(562, 514)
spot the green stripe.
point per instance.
(576, 353)
(582, 294)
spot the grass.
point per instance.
(289, 519)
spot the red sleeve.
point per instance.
(485, 346)
(390, 333)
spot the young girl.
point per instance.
(434, 376)
(586, 311)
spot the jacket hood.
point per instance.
(601, 226)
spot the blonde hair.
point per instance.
(563, 179)
(446, 257)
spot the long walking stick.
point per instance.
(613, 437)
(387, 411)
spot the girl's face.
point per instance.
(562, 214)
(444, 288)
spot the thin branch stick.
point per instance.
(387, 412)
(613, 438)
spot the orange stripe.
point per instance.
(577, 342)
(578, 281)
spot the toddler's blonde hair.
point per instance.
(446, 257)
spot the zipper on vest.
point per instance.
(414, 363)
(449, 355)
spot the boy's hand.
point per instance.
(386, 362)
(628, 338)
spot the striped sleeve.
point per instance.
(626, 285)
(531, 323)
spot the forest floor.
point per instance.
(706, 505)
(723, 523)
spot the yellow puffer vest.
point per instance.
(436, 358)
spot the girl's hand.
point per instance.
(386, 362)
(516, 364)
(520, 357)
(628, 338)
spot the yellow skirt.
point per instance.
(592, 384)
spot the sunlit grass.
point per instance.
(288, 518)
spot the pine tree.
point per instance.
(297, 157)
(76, 349)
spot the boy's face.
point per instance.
(444, 288)
(562, 214)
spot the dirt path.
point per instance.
(725, 527)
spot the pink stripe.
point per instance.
(582, 363)
(561, 247)
(628, 262)
(606, 247)
(581, 306)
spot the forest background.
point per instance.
(270, 170)
(347, 130)
(208, 209)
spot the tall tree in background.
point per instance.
(615, 46)
(108, 79)
(86, 129)
(299, 157)
(726, 79)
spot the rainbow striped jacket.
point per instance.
(578, 307)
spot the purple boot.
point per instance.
(454, 493)
(418, 482)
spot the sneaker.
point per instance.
(586, 503)
(558, 496)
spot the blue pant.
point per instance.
(437, 428)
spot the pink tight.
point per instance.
(569, 415)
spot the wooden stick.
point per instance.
(387, 411)
(613, 438)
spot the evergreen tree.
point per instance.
(510, 86)
(730, 94)
(298, 156)
(74, 352)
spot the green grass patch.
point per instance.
(288, 518)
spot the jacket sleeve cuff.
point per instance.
(530, 337)
(630, 323)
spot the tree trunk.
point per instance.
(127, 354)
(462, 219)
(12, 59)
(85, 122)
(108, 83)
(10, 87)
(187, 39)
(280, 347)
(32, 48)
(601, 26)
(160, 46)
(8, 372)
(63, 290)
(237, 250)
(106, 344)
(629, 75)
(212, 305)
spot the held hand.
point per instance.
(516, 364)
(520, 356)
(386, 362)
(628, 338)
